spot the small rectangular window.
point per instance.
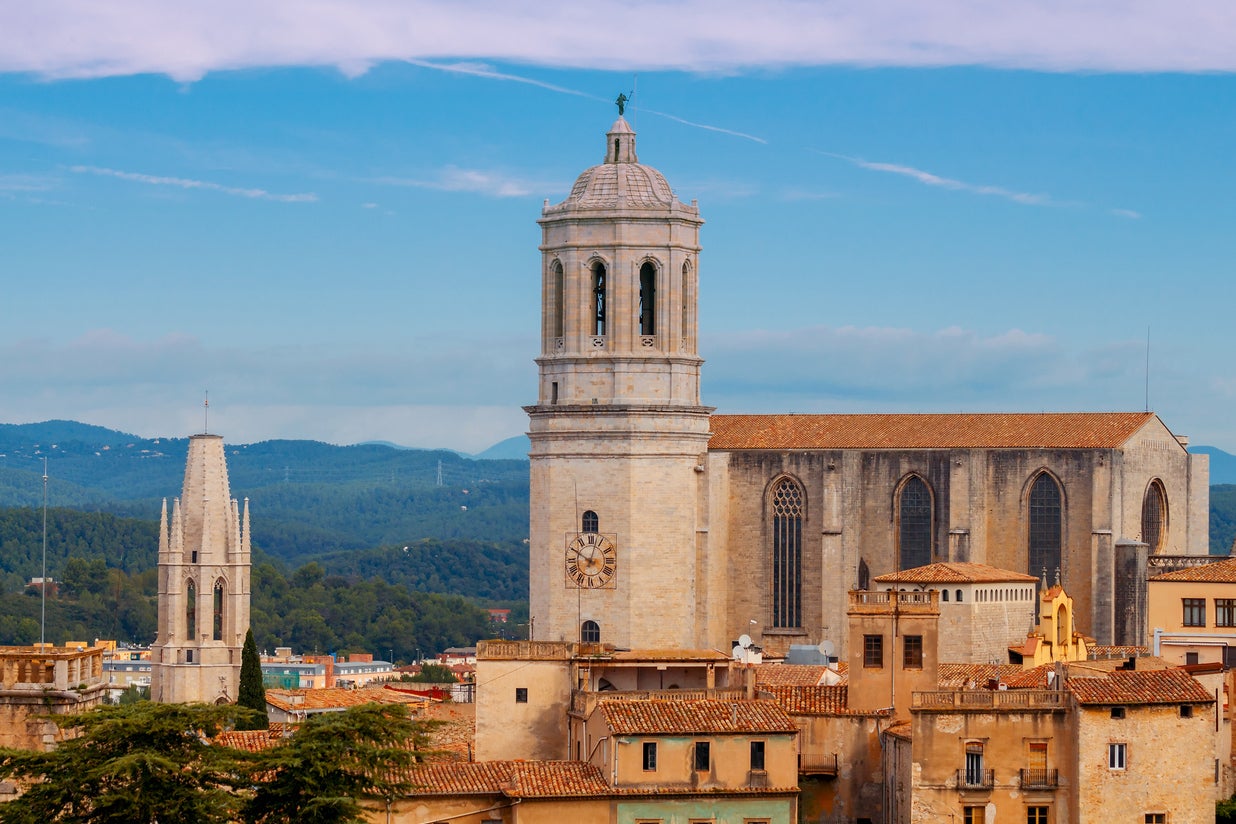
(703, 756)
(553, 392)
(1117, 756)
(650, 755)
(1186, 710)
(912, 657)
(975, 815)
(1225, 612)
(1036, 815)
(1156, 818)
(521, 695)
(1117, 712)
(873, 651)
(1194, 612)
(757, 755)
(1191, 658)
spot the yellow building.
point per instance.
(1192, 613)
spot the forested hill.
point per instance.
(308, 498)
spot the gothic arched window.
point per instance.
(557, 302)
(787, 552)
(1154, 516)
(914, 523)
(1046, 523)
(590, 522)
(598, 298)
(190, 611)
(647, 299)
(218, 611)
(590, 632)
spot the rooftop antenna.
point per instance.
(206, 414)
(634, 114)
(43, 583)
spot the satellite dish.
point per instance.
(744, 641)
(737, 653)
(1051, 677)
(827, 649)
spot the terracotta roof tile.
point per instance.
(955, 572)
(460, 777)
(961, 676)
(251, 740)
(332, 698)
(1168, 686)
(789, 675)
(541, 779)
(901, 729)
(1113, 651)
(1220, 572)
(814, 700)
(654, 717)
(1053, 430)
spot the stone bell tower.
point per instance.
(618, 433)
(203, 585)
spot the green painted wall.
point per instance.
(719, 810)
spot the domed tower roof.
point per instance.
(621, 182)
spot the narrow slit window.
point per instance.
(559, 302)
(218, 612)
(191, 611)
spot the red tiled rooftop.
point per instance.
(814, 700)
(795, 675)
(955, 572)
(1220, 572)
(334, 698)
(653, 717)
(1052, 430)
(1166, 686)
(963, 676)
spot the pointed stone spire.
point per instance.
(244, 531)
(164, 545)
(177, 537)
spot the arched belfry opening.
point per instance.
(600, 309)
(648, 299)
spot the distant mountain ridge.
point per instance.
(1222, 464)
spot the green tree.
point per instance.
(318, 775)
(252, 693)
(142, 762)
(435, 674)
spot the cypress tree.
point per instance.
(252, 693)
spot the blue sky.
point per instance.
(325, 214)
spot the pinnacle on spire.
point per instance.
(244, 530)
(163, 537)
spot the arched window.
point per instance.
(590, 522)
(1045, 525)
(686, 301)
(914, 523)
(590, 632)
(958, 598)
(647, 299)
(598, 298)
(1154, 516)
(787, 551)
(190, 611)
(558, 303)
(218, 611)
(944, 595)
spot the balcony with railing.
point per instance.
(817, 763)
(1039, 778)
(971, 779)
(990, 701)
(870, 602)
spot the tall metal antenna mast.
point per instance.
(43, 583)
(1147, 368)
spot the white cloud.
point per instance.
(86, 38)
(476, 181)
(187, 183)
(929, 179)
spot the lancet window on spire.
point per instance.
(647, 299)
(218, 611)
(558, 305)
(598, 298)
(190, 611)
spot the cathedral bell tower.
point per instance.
(203, 585)
(618, 433)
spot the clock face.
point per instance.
(591, 560)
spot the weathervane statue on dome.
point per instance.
(622, 103)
